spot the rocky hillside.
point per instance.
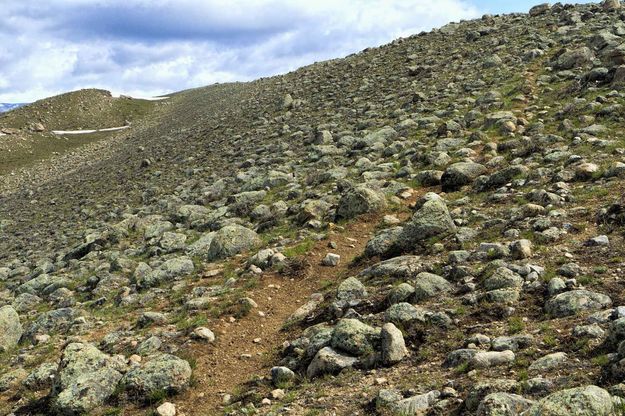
(432, 227)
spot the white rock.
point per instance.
(331, 259)
(166, 409)
(204, 333)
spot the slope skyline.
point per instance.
(147, 49)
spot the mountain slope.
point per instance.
(4, 107)
(469, 180)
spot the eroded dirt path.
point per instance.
(236, 357)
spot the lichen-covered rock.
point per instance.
(400, 293)
(281, 375)
(486, 359)
(384, 243)
(41, 377)
(86, 378)
(575, 302)
(350, 289)
(397, 268)
(429, 285)
(549, 362)
(460, 174)
(430, 219)
(10, 328)
(12, 379)
(583, 401)
(503, 404)
(162, 373)
(393, 345)
(403, 313)
(231, 240)
(58, 320)
(359, 200)
(328, 361)
(354, 337)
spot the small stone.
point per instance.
(281, 375)
(166, 409)
(521, 249)
(204, 334)
(277, 394)
(331, 260)
(599, 241)
(492, 359)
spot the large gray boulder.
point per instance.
(230, 240)
(384, 242)
(575, 58)
(163, 373)
(575, 302)
(44, 284)
(351, 289)
(415, 405)
(86, 378)
(359, 200)
(582, 401)
(10, 328)
(430, 219)
(429, 285)
(354, 337)
(487, 359)
(173, 268)
(610, 5)
(397, 268)
(393, 344)
(460, 174)
(328, 361)
(503, 404)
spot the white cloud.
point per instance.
(154, 47)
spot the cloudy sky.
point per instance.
(151, 47)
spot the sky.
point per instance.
(146, 48)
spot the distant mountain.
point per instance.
(4, 107)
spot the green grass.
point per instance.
(515, 325)
(601, 360)
(299, 249)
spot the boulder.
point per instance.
(430, 219)
(281, 376)
(10, 328)
(575, 58)
(540, 9)
(588, 400)
(163, 373)
(351, 289)
(460, 174)
(354, 337)
(397, 268)
(328, 361)
(429, 285)
(359, 200)
(393, 345)
(575, 302)
(503, 404)
(486, 359)
(230, 240)
(549, 362)
(86, 378)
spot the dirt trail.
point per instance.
(235, 358)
